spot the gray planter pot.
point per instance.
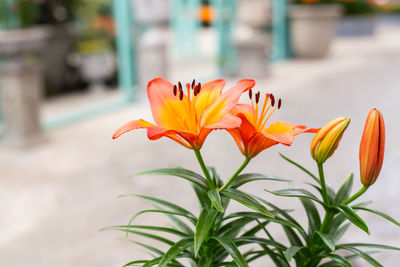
(21, 84)
(312, 29)
(357, 26)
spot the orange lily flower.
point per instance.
(253, 136)
(189, 118)
(372, 147)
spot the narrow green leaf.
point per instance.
(300, 167)
(150, 236)
(215, 177)
(337, 235)
(345, 190)
(247, 200)
(248, 240)
(370, 246)
(250, 177)
(352, 216)
(205, 262)
(202, 197)
(177, 248)
(216, 199)
(361, 254)
(203, 226)
(180, 224)
(328, 240)
(339, 259)
(383, 215)
(164, 203)
(189, 175)
(300, 193)
(232, 249)
(135, 263)
(312, 214)
(255, 216)
(290, 252)
(147, 227)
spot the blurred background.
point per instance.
(73, 71)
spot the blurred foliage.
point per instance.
(360, 7)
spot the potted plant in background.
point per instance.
(312, 26)
(96, 59)
(359, 18)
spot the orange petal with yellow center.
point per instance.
(209, 92)
(225, 103)
(168, 111)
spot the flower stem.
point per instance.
(327, 220)
(323, 185)
(355, 196)
(204, 168)
(244, 164)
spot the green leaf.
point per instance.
(255, 216)
(370, 246)
(290, 252)
(301, 168)
(247, 200)
(337, 235)
(361, 254)
(180, 224)
(300, 193)
(352, 216)
(312, 214)
(383, 215)
(202, 197)
(328, 240)
(203, 226)
(250, 177)
(177, 248)
(147, 227)
(339, 259)
(232, 249)
(216, 199)
(189, 175)
(164, 203)
(151, 236)
(345, 190)
(215, 176)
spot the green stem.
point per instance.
(323, 185)
(327, 220)
(204, 168)
(355, 196)
(244, 164)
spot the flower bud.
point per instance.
(372, 147)
(327, 139)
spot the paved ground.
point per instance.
(55, 197)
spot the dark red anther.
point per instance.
(180, 86)
(272, 100)
(175, 90)
(250, 94)
(257, 97)
(193, 84)
(180, 95)
(198, 90)
(279, 103)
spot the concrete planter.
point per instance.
(357, 26)
(21, 84)
(312, 29)
(251, 41)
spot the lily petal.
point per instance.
(225, 102)
(166, 108)
(132, 125)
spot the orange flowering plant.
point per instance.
(187, 115)
(321, 242)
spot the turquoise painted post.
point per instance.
(185, 24)
(127, 75)
(226, 14)
(279, 31)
